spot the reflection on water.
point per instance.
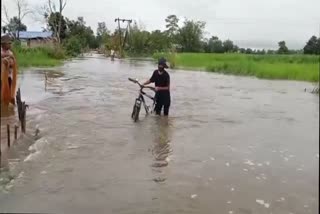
(52, 81)
(162, 139)
(161, 150)
(8, 117)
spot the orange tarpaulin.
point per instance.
(7, 93)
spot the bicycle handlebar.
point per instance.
(133, 80)
(141, 86)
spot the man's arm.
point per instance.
(151, 80)
(147, 82)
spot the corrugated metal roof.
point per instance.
(34, 34)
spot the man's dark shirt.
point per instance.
(160, 80)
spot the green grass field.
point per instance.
(37, 57)
(287, 67)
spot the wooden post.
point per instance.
(23, 117)
(8, 134)
(18, 98)
(16, 132)
(0, 156)
(45, 81)
(22, 108)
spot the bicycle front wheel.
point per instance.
(133, 110)
(136, 113)
(136, 110)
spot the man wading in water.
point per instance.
(161, 79)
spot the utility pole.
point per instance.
(120, 42)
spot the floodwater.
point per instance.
(230, 145)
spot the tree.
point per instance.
(172, 25)
(54, 22)
(260, 52)
(81, 21)
(205, 45)
(139, 42)
(79, 30)
(113, 42)
(76, 37)
(215, 45)
(271, 52)
(103, 33)
(102, 29)
(73, 46)
(228, 46)
(14, 25)
(52, 9)
(190, 36)
(158, 41)
(282, 48)
(242, 50)
(23, 10)
(3, 29)
(249, 51)
(312, 46)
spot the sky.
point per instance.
(249, 23)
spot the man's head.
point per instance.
(162, 64)
(6, 42)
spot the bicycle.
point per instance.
(140, 99)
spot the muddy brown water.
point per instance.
(231, 144)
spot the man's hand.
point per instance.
(11, 60)
(5, 61)
(8, 60)
(8, 56)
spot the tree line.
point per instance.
(187, 38)
(75, 36)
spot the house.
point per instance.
(34, 39)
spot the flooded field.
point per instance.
(231, 144)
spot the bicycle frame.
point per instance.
(140, 99)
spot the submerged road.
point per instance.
(233, 145)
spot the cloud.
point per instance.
(245, 21)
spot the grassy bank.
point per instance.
(38, 57)
(289, 67)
